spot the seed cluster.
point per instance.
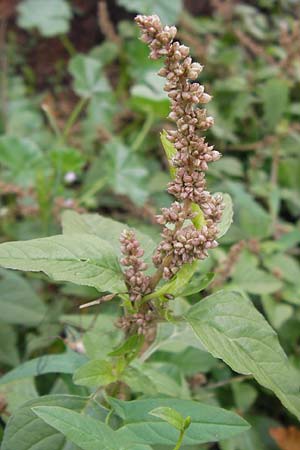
(139, 322)
(137, 282)
(182, 242)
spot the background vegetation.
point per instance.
(81, 112)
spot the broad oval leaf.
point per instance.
(125, 171)
(209, 423)
(62, 363)
(51, 19)
(25, 431)
(232, 329)
(95, 373)
(80, 259)
(21, 158)
(84, 431)
(104, 228)
(275, 99)
(89, 78)
(19, 303)
(169, 415)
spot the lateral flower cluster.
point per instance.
(136, 281)
(182, 242)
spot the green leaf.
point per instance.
(20, 158)
(102, 336)
(18, 301)
(50, 19)
(287, 267)
(250, 278)
(149, 96)
(130, 347)
(170, 151)
(151, 379)
(62, 363)
(197, 284)
(244, 395)
(249, 216)
(199, 220)
(88, 433)
(17, 393)
(8, 350)
(169, 415)
(104, 228)
(125, 171)
(189, 361)
(172, 337)
(232, 329)
(275, 97)
(167, 11)
(25, 431)
(78, 258)
(209, 423)
(176, 285)
(277, 312)
(88, 74)
(227, 216)
(95, 373)
(105, 52)
(67, 159)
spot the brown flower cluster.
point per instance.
(183, 243)
(139, 322)
(137, 282)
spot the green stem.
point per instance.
(144, 131)
(51, 120)
(64, 39)
(96, 187)
(74, 116)
(108, 417)
(180, 439)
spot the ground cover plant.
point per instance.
(160, 304)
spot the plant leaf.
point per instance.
(176, 285)
(167, 11)
(227, 216)
(51, 19)
(252, 220)
(209, 423)
(79, 258)
(232, 329)
(170, 151)
(25, 431)
(20, 157)
(9, 354)
(17, 393)
(104, 228)
(172, 337)
(88, 433)
(62, 363)
(18, 301)
(197, 284)
(275, 97)
(95, 373)
(169, 415)
(126, 172)
(88, 74)
(249, 277)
